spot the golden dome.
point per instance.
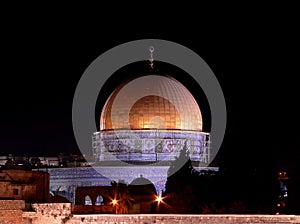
(151, 102)
(154, 112)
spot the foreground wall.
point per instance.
(148, 219)
(12, 211)
(191, 219)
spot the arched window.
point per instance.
(87, 200)
(99, 200)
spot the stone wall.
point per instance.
(12, 205)
(191, 219)
(11, 212)
(54, 213)
(11, 216)
(93, 209)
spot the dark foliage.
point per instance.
(238, 191)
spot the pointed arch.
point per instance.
(99, 200)
(87, 200)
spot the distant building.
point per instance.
(3, 160)
(30, 186)
(34, 162)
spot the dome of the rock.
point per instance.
(150, 119)
(151, 102)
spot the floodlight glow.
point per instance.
(114, 202)
(159, 199)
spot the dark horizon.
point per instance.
(254, 66)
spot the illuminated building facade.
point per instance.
(149, 119)
(144, 125)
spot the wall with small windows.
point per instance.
(31, 186)
(94, 195)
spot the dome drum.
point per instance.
(150, 146)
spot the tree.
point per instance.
(180, 171)
(180, 191)
(122, 197)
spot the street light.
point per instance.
(114, 202)
(158, 199)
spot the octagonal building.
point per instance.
(144, 125)
(148, 120)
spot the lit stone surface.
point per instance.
(12, 212)
(58, 213)
(12, 205)
(192, 219)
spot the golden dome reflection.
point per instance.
(151, 102)
(154, 112)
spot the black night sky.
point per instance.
(254, 60)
